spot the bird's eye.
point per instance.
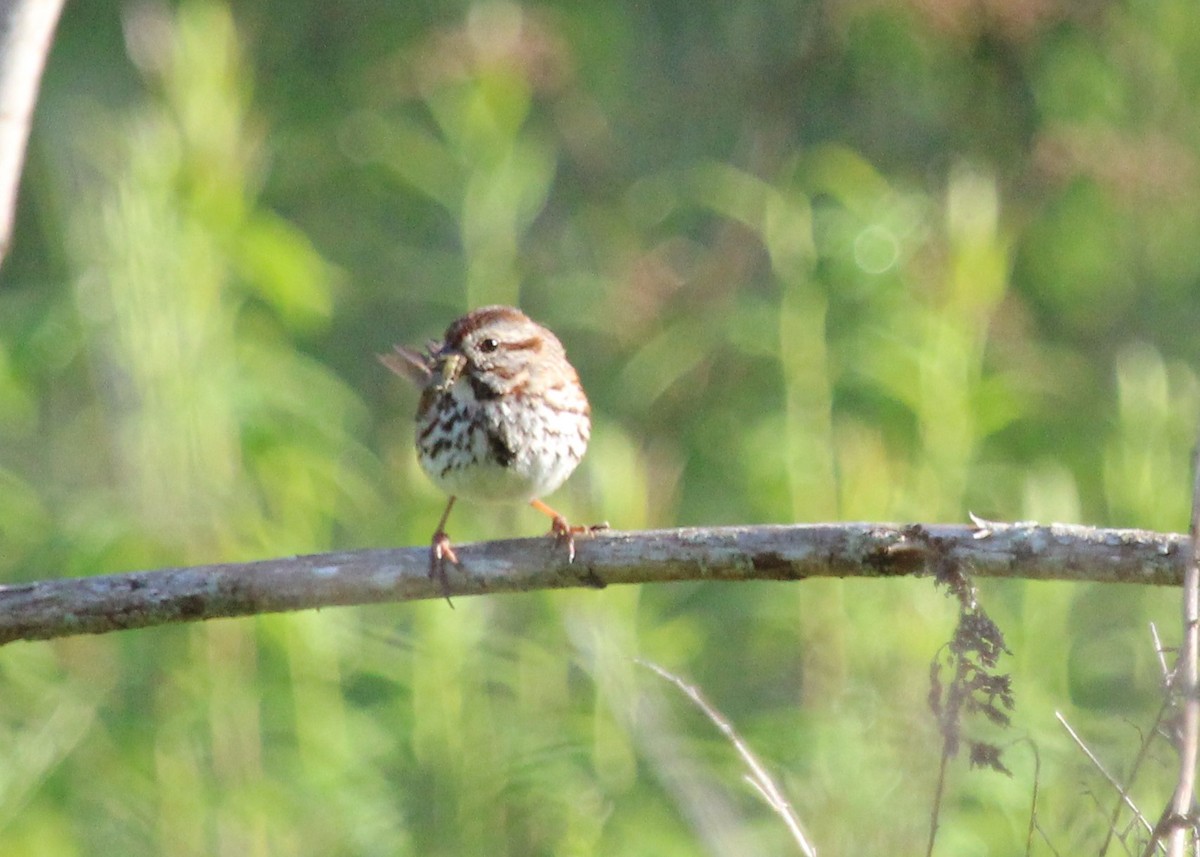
(488, 346)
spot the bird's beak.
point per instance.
(448, 368)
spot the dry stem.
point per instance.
(1184, 685)
(758, 776)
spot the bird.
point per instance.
(502, 418)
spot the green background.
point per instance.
(814, 261)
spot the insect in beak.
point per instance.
(447, 369)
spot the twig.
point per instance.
(1121, 790)
(62, 607)
(1142, 754)
(1037, 779)
(1184, 684)
(758, 777)
(26, 30)
(1161, 653)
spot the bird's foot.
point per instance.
(566, 533)
(439, 553)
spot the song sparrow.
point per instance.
(502, 417)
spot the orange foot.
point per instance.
(440, 551)
(561, 530)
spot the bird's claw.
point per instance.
(565, 532)
(439, 552)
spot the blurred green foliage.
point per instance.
(815, 262)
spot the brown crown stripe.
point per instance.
(480, 317)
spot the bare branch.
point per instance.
(1184, 684)
(59, 608)
(26, 30)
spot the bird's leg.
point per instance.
(440, 551)
(561, 530)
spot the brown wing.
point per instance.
(409, 364)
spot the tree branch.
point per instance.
(26, 31)
(59, 608)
